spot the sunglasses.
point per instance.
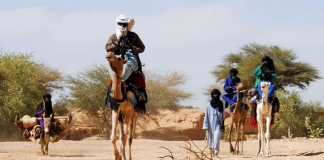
(122, 24)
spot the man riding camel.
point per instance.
(128, 45)
(124, 37)
(230, 88)
(265, 72)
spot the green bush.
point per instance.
(292, 115)
(23, 82)
(313, 131)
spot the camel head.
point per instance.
(265, 87)
(116, 64)
(239, 86)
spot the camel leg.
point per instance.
(237, 143)
(260, 130)
(242, 138)
(130, 135)
(267, 135)
(113, 137)
(262, 138)
(123, 138)
(229, 137)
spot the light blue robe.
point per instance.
(212, 123)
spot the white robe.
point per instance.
(212, 124)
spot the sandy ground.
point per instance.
(300, 149)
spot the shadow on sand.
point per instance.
(310, 153)
(71, 155)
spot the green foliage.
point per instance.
(290, 72)
(164, 90)
(233, 135)
(89, 91)
(23, 82)
(61, 106)
(292, 114)
(313, 131)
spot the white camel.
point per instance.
(264, 113)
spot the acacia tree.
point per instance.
(88, 92)
(164, 90)
(23, 82)
(290, 71)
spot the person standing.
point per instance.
(214, 122)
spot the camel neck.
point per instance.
(264, 96)
(238, 102)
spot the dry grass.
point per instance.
(192, 148)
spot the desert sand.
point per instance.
(90, 148)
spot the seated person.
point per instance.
(230, 87)
(265, 72)
(44, 107)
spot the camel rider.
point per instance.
(230, 87)
(265, 72)
(124, 37)
(44, 106)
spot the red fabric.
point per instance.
(110, 84)
(253, 122)
(138, 79)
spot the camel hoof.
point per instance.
(232, 150)
(268, 154)
(261, 154)
(241, 153)
(118, 157)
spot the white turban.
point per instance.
(120, 30)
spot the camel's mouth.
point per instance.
(109, 57)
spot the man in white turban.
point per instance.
(124, 37)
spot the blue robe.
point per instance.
(212, 123)
(270, 90)
(227, 97)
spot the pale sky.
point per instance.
(190, 37)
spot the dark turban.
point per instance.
(216, 102)
(47, 96)
(48, 105)
(234, 71)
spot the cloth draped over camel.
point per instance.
(212, 123)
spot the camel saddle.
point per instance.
(135, 92)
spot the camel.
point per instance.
(264, 113)
(125, 108)
(239, 119)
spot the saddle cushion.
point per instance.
(138, 79)
(253, 120)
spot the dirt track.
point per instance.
(149, 149)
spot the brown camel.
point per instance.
(125, 108)
(239, 119)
